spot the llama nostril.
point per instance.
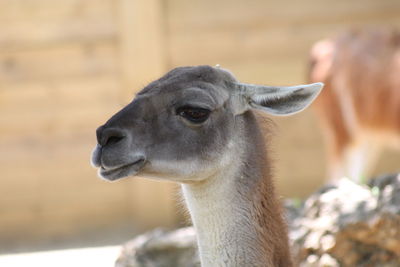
(113, 140)
(111, 136)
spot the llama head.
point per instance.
(181, 126)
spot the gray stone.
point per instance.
(352, 225)
(161, 248)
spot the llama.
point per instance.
(195, 126)
(359, 109)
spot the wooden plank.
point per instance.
(216, 45)
(60, 62)
(154, 203)
(78, 92)
(192, 15)
(30, 129)
(62, 221)
(35, 10)
(43, 34)
(270, 71)
(262, 29)
(14, 224)
(57, 173)
(51, 109)
(38, 23)
(62, 180)
(142, 49)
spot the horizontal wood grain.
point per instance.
(49, 109)
(28, 24)
(60, 62)
(194, 16)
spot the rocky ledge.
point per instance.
(344, 224)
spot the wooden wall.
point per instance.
(67, 65)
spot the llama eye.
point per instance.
(193, 114)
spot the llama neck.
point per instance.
(237, 217)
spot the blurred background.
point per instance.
(66, 66)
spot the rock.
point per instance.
(160, 248)
(344, 224)
(347, 224)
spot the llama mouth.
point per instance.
(122, 171)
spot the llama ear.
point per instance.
(279, 101)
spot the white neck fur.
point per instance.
(222, 218)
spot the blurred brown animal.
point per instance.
(360, 107)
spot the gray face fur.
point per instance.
(180, 126)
